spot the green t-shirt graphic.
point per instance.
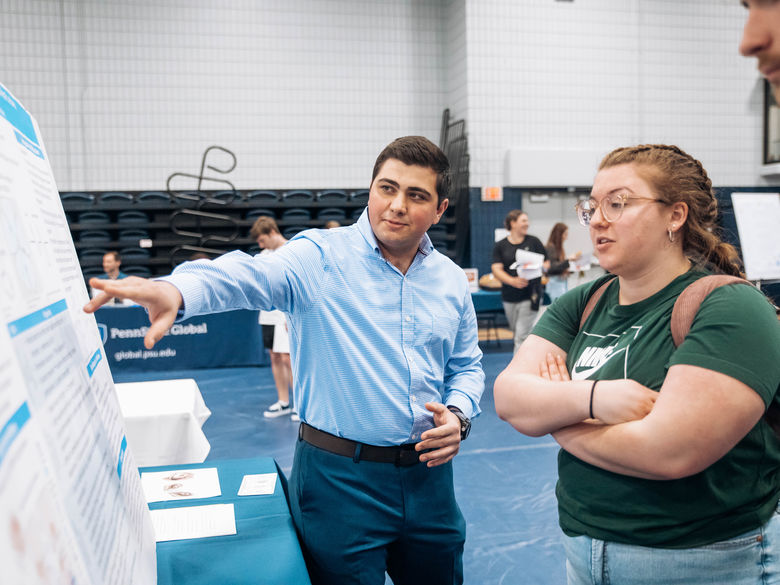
(735, 332)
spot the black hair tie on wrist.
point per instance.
(592, 390)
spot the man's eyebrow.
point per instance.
(412, 189)
(419, 190)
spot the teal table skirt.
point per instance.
(264, 550)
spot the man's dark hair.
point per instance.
(115, 254)
(418, 150)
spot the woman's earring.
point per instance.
(671, 235)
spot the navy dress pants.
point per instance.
(357, 520)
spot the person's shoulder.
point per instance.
(321, 238)
(443, 261)
(575, 300)
(584, 291)
(435, 260)
(740, 296)
(334, 241)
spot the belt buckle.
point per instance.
(407, 458)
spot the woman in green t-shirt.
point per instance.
(668, 471)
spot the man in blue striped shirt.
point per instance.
(385, 354)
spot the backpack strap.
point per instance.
(687, 304)
(684, 311)
(594, 298)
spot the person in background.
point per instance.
(669, 472)
(521, 297)
(558, 270)
(111, 263)
(761, 39)
(266, 233)
(332, 223)
(387, 370)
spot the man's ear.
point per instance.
(443, 205)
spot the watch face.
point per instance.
(465, 427)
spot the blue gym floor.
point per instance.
(504, 481)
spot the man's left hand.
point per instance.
(443, 439)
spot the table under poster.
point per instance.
(264, 550)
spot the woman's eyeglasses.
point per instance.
(611, 207)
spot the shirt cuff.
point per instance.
(462, 402)
(191, 292)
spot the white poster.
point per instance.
(71, 505)
(758, 218)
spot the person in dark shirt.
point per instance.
(521, 297)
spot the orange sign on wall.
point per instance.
(492, 193)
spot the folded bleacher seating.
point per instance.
(115, 198)
(260, 195)
(331, 213)
(334, 195)
(133, 217)
(298, 195)
(296, 214)
(77, 197)
(361, 196)
(94, 217)
(153, 197)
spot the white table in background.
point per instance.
(163, 419)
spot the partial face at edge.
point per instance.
(761, 39)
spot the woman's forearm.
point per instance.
(535, 406)
(699, 416)
(616, 448)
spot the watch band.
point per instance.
(465, 422)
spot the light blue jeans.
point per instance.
(556, 286)
(749, 559)
(521, 320)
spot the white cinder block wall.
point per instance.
(596, 74)
(306, 92)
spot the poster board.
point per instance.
(758, 217)
(72, 509)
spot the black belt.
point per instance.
(402, 455)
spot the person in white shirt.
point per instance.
(275, 337)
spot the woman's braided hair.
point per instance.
(677, 176)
